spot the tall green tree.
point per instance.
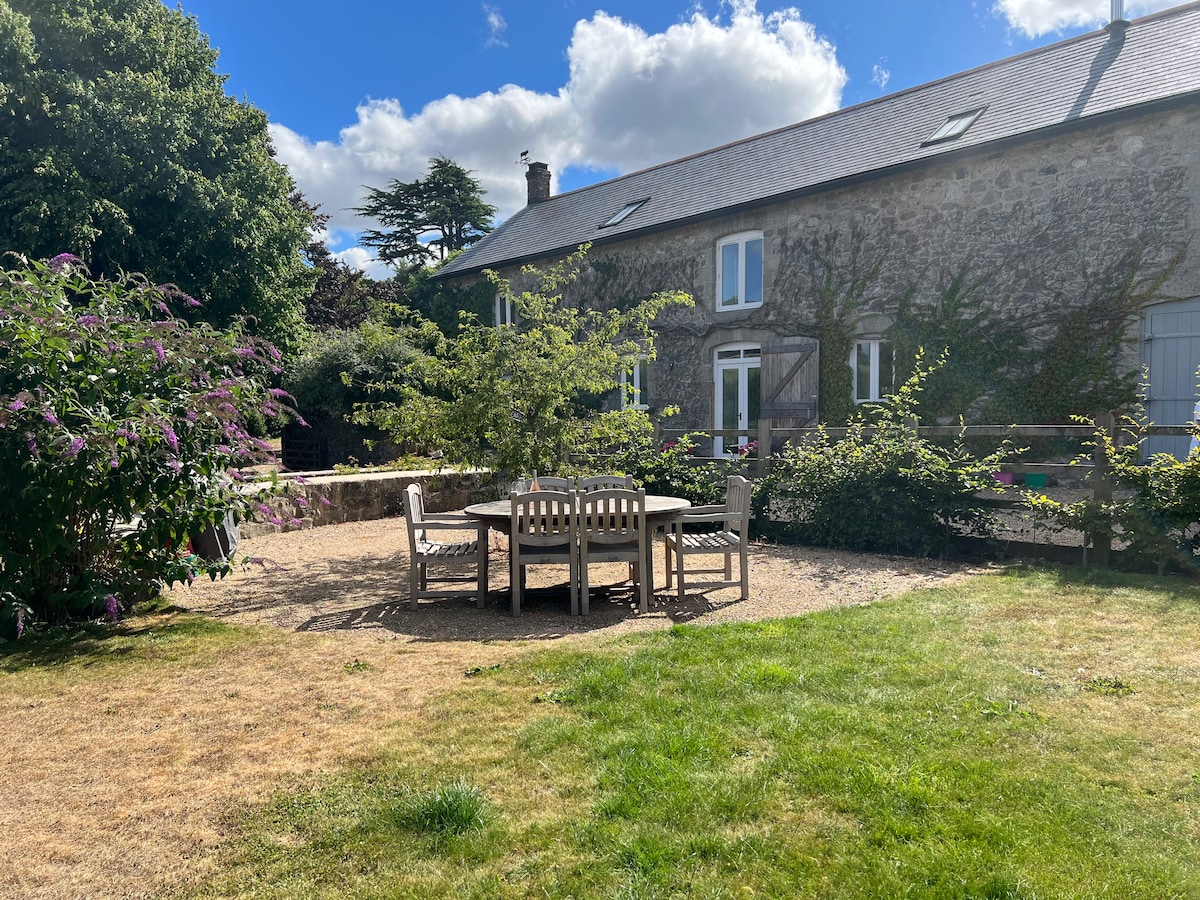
(514, 398)
(119, 144)
(429, 218)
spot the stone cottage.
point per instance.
(1035, 215)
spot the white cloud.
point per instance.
(496, 26)
(633, 99)
(1038, 17)
(880, 76)
(362, 260)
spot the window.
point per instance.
(954, 126)
(874, 374)
(625, 213)
(635, 386)
(504, 312)
(740, 271)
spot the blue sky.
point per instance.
(360, 92)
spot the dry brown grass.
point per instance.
(121, 782)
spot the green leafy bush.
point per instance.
(1157, 508)
(881, 488)
(121, 430)
(624, 443)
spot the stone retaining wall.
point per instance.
(329, 499)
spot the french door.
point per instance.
(737, 394)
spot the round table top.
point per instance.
(656, 505)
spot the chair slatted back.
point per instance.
(737, 501)
(604, 483)
(414, 514)
(543, 518)
(613, 516)
(555, 483)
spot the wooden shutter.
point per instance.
(790, 377)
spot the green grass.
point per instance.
(951, 743)
(160, 634)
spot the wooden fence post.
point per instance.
(764, 448)
(1102, 491)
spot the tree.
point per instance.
(514, 398)
(447, 203)
(119, 145)
(122, 428)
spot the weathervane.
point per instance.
(524, 160)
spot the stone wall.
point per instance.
(332, 499)
(1041, 227)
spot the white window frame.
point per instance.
(635, 386)
(875, 345)
(740, 240)
(503, 312)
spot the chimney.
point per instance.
(537, 177)
(1118, 13)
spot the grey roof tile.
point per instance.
(1154, 58)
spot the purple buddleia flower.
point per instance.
(114, 463)
(302, 502)
(112, 608)
(31, 443)
(157, 347)
(244, 351)
(278, 392)
(63, 262)
(89, 320)
(20, 622)
(172, 438)
(50, 417)
(17, 405)
(175, 466)
(73, 448)
(297, 522)
(326, 501)
(191, 301)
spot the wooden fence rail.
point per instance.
(1096, 473)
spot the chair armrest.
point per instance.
(457, 525)
(702, 514)
(447, 517)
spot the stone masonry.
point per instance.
(1045, 224)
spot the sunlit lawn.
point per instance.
(1027, 735)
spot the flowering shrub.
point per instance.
(122, 431)
(881, 488)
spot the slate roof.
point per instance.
(1155, 58)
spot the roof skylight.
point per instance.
(954, 126)
(625, 213)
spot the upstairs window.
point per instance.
(628, 210)
(874, 370)
(955, 126)
(635, 385)
(740, 271)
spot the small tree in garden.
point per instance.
(515, 398)
(114, 411)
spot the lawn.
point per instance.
(1029, 734)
